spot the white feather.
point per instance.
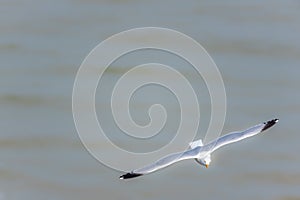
(197, 143)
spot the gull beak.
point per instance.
(206, 165)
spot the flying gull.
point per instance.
(201, 153)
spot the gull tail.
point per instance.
(269, 124)
(130, 175)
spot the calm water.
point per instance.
(256, 46)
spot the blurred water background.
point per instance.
(255, 44)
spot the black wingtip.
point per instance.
(269, 124)
(130, 175)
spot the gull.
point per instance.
(199, 152)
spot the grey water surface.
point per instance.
(255, 45)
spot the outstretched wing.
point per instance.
(163, 162)
(237, 136)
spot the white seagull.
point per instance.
(199, 152)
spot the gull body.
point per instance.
(199, 152)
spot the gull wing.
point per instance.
(163, 162)
(237, 136)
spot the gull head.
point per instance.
(205, 161)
